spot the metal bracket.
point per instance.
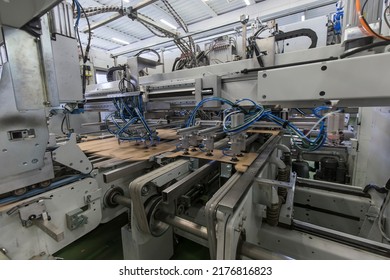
(286, 211)
(226, 170)
(71, 156)
(49, 228)
(193, 164)
(75, 219)
(275, 183)
(35, 213)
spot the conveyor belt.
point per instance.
(54, 185)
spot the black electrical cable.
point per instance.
(62, 125)
(387, 10)
(85, 58)
(364, 7)
(175, 63)
(258, 55)
(149, 50)
(375, 187)
(260, 31)
(85, 54)
(368, 26)
(300, 111)
(364, 48)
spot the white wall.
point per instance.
(373, 158)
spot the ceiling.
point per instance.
(131, 32)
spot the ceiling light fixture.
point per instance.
(247, 2)
(120, 41)
(168, 24)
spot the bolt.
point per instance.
(145, 190)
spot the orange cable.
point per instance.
(364, 24)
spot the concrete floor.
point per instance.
(105, 243)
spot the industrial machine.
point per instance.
(258, 152)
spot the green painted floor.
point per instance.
(105, 243)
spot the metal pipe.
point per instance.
(182, 224)
(124, 171)
(278, 162)
(329, 185)
(122, 200)
(244, 35)
(283, 148)
(188, 129)
(162, 50)
(209, 130)
(244, 249)
(221, 143)
(324, 153)
(256, 253)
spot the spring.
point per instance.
(287, 159)
(273, 214)
(284, 176)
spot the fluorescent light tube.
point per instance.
(120, 41)
(168, 24)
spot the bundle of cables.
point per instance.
(250, 116)
(129, 111)
(257, 112)
(304, 141)
(367, 28)
(84, 53)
